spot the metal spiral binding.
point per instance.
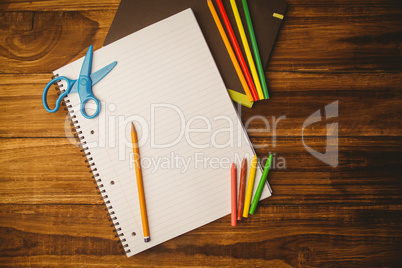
(75, 127)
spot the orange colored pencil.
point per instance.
(230, 51)
(242, 189)
(140, 185)
(237, 50)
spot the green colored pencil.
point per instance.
(255, 49)
(260, 185)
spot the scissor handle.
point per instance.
(62, 95)
(85, 93)
(84, 102)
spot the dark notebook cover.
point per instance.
(133, 15)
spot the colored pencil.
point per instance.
(237, 50)
(247, 49)
(250, 186)
(233, 191)
(230, 51)
(261, 184)
(242, 189)
(255, 49)
(140, 185)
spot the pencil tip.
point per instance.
(132, 127)
(147, 239)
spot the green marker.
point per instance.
(255, 49)
(260, 185)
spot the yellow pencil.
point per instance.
(230, 51)
(140, 185)
(250, 186)
(247, 49)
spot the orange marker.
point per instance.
(242, 188)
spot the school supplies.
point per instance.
(261, 185)
(231, 53)
(82, 86)
(250, 186)
(238, 51)
(140, 184)
(242, 188)
(233, 181)
(167, 83)
(132, 16)
(246, 48)
(255, 49)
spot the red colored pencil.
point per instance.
(242, 188)
(234, 190)
(237, 50)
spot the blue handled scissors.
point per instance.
(83, 85)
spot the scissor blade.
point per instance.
(87, 64)
(96, 76)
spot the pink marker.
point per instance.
(234, 193)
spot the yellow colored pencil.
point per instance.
(230, 51)
(250, 186)
(140, 185)
(247, 49)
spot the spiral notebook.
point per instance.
(167, 83)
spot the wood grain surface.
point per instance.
(319, 216)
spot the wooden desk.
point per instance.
(319, 216)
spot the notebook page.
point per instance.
(166, 83)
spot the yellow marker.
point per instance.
(230, 50)
(250, 186)
(276, 15)
(247, 50)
